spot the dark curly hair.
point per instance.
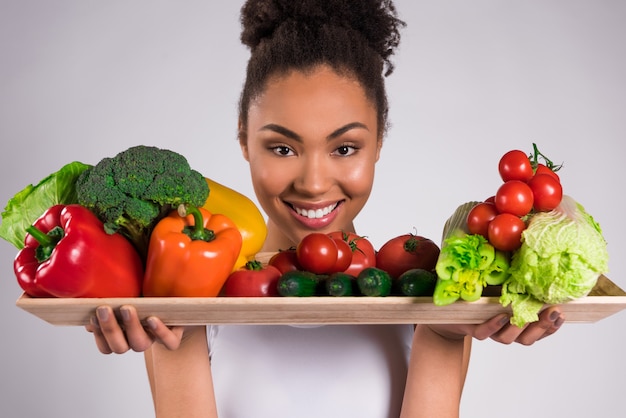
(355, 38)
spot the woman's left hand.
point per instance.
(501, 330)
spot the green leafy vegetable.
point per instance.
(30, 203)
(562, 255)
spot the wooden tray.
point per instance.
(605, 299)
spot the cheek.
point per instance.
(357, 180)
(268, 180)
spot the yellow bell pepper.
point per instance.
(244, 213)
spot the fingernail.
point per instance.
(554, 315)
(151, 323)
(125, 312)
(103, 313)
(559, 321)
(504, 321)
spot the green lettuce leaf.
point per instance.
(562, 255)
(30, 203)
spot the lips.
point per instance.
(315, 217)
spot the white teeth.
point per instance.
(315, 214)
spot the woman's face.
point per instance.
(312, 144)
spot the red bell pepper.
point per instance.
(191, 255)
(67, 253)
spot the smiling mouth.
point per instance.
(315, 213)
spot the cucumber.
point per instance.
(340, 284)
(417, 282)
(297, 283)
(373, 281)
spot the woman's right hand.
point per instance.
(130, 334)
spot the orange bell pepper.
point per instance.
(191, 254)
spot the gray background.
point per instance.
(81, 80)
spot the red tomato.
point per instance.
(344, 255)
(542, 169)
(547, 192)
(406, 252)
(479, 217)
(363, 252)
(317, 253)
(505, 232)
(514, 197)
(285, 260)
(252, 280)
(515, 165)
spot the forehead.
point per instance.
(320, 91)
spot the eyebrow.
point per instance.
(292, 135)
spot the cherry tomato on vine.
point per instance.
(363, 252)
(344, 255)
(514, 197)
(515, 165)
(479, 217)
(547, 192)
(285, 260)
(317, 253)
(505, 232)
(543, 169)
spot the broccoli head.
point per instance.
(135, 189)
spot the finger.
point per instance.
(549, 322)
(508, 334)
(491, 327)
(111, 330)
(101, 343)
(557, 324)
(169, 337)
(137, 337)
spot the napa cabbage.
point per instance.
(562, 255)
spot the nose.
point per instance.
(316, 175)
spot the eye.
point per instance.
(282, 150)
(345, 150)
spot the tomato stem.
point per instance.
(534, 160)
(254, 265)
(411, 244)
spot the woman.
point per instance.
(313, 114)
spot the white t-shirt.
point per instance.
(319, 372)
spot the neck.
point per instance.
(276, 240)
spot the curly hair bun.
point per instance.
(375, 20)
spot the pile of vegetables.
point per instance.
(541, 246)
(138, 223)
(144, 223)
(342, 264)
